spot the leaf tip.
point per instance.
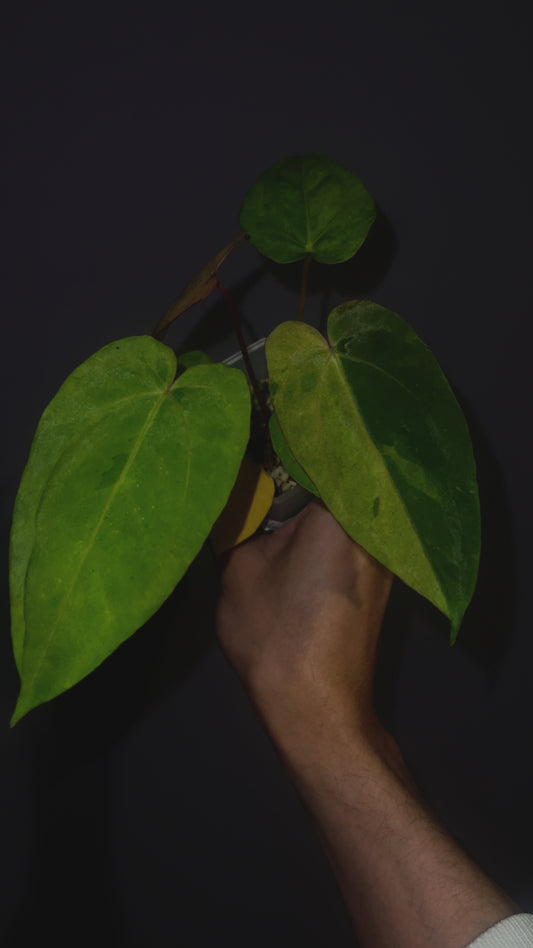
(18, 713)
(454, 631)
(23, 705)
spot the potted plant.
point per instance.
(135, 458)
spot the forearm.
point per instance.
(405, 881)
(300, 618)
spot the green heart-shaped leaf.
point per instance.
(376, 427)
(307, 205)
(128, 471)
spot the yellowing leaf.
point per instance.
(248, 504)
(372, 421)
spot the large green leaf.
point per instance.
(375, 425)
(307, 205)
(129, 469)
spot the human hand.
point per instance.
(299, 618)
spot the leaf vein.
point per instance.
(377, 368)
(382, 459)
(116, 487)
(68, 443)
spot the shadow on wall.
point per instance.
(491, 616)
(489, 620)
(357, 278)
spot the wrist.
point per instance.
(318, 748)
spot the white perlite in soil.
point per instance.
(282, 479)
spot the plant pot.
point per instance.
(286, 505)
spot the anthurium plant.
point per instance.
(135, 458)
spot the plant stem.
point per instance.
(303, 288)
(242, 346)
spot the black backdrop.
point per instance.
(146, 807)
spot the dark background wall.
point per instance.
(146, 807)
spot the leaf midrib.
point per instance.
(336, 361)
(416, 398)
(162, 397)
(116, 487)
(94, 420)
(313, 241)
(378, 368)
(306, 209)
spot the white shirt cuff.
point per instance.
(513, 932)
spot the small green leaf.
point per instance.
(307, 205)
(375, 425)
(128, 471)
(195, 357)
(296, 471)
